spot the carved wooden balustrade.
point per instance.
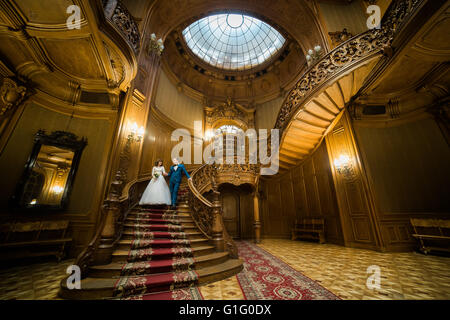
(345, 56)
(116, 12)
(120, 208)
(207, 214)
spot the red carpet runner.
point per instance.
(265, 277)
(159, 260)
(181, 294)
(160, 264)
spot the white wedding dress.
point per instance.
(157, 191)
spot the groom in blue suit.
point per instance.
(175, 175)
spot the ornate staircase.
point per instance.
(147, 251)
(159, 250)
(330, 85)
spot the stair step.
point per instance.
(163, 243)
(169, 215)
(99, 288)
(155, 227)
(220, 271)
(144, 224)
(114, 269)
(190, 234)
(177, 220)
(122, 255)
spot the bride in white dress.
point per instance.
(157, 191)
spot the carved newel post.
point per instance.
(217, 225)
(111, 210)
(257, 223)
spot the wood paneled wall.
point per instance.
(337, 16)
(305, 191)
(157, 143)
(407, 166)
(266, 113)
(87, 189)
(355, 202)
(175, 104)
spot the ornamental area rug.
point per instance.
(265, 277)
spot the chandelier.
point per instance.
(154, 45)
(314, 55)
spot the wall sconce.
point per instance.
(57, 189)
(209, 134)
(154, 45)
(314, 55)
(344, 165)
(136, 134)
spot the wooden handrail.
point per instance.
(345, 56)
(208, 216)
(124, 206)
(194, 190)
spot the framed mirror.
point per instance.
(50, 171)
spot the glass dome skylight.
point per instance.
(233, 41)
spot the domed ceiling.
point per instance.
(249, 51)
(233, 41)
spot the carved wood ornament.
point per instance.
(229, 112)
(11, 95)
(344, 56)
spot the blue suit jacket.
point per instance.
(175, 176)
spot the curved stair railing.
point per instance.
(117, 14)
(314, 106)
(334, 65)
(345, 56)
(207, 214)
(121, 207)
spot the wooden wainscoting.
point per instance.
(304, 191)
(354, 199)
(407, 166)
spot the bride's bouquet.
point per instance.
(156, 175)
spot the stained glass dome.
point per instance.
(233, 41)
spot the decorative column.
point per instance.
(257, 223)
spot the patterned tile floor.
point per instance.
(339, 269)
(343, 271)
(33, 282)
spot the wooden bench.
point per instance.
(31, 239)
(309, 229)
(433, 234)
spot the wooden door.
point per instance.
(230, 205)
